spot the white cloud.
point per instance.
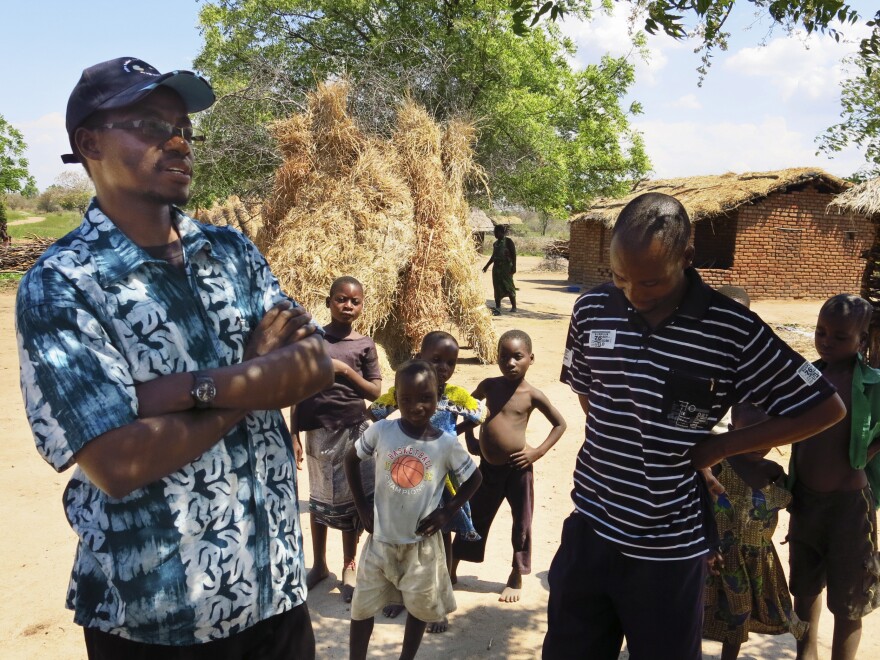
(797, 65)
(686, 102)
(612, 34)
(46, 140)
(680, 149)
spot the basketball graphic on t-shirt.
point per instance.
(407, 472)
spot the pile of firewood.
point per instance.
(18, 257)
(557, 248)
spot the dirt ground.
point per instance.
(37, 546)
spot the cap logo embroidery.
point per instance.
(139, 66)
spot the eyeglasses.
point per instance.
(155, 129)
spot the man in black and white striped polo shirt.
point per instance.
(656, 358)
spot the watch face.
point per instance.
(205, 391)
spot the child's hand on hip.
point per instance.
(524, 457)
(433, 522)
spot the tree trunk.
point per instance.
(4, 235)
(871, 292)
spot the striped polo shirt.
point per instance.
(653, 393)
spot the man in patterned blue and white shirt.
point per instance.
(155, 355)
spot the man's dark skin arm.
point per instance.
(773, 432)
(283, 365)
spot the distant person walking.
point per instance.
(503, 262)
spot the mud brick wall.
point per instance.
(786, 246)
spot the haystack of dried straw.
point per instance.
(390, 212)
(234, 213)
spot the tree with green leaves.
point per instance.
(706, 19)
(859, 122)
(73, 191)
(14, 175)
(550, 137)
(860, 111)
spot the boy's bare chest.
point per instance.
(842, 381)
(515, 407)
(823, 460)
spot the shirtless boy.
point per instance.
(506, 460)
(833, 529)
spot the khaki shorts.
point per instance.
(412, 573)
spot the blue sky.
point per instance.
(760, 108)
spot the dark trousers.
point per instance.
(598, 596)
(502, 482)
(286, 636)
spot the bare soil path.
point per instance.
(37, 546)
(25, 221)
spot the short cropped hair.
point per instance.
(516, 334)
(345, 279)
(736, 293)
(435, 337)
(412, 368)
(654, 216)
(856, 310)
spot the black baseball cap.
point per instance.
(126, 80)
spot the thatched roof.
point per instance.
(862, 199)
(710, 196)
(479, 221)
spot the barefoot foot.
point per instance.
(511, 592)
(392, 610)
(439, 626)
(349, 573)
(317, 574)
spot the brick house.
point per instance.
(772, 233)
(864, 200)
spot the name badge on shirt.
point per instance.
(808, 373)
(602, 338)
(567, 357)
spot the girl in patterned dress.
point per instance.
(749, 593)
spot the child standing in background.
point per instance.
(834, 477)
(402, 558)
(332, 420)
(506, 460)
(440, 349)
(749, 592)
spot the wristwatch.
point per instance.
(203, 390)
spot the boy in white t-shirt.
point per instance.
(403, 557)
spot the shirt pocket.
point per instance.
(687, 399)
